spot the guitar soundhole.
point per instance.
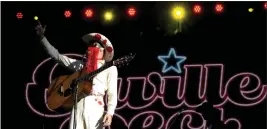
(67, 92)
(63, 92)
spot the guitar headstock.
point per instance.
(124, 60)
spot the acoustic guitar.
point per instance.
(60, 92)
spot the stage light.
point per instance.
(35, 18)
(178, 13)
(197, 9)
(19, 15)
(67, 13)
(219, 8)
(88, 13)
(108, 16)
(131, 11)
(250, 9)
(265, 5)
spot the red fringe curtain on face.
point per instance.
(92, 57)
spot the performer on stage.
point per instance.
(90, 110)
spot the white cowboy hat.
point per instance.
(109, 51)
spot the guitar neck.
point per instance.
(92, 74)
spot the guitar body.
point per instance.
(60, 94)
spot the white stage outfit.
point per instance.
(90, 110)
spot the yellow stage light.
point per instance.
(36, 18)
(250, 9)
(108, 16)
(178, 13)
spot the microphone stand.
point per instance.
(75, 89)
(44, 120)
(178, 113)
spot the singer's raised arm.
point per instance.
(72, 64)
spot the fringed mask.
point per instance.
(93, 54)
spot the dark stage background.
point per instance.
(235, 38)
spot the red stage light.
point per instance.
(88, 13)
(265, 5)
(19, 15)
(67, 14)
(219, 8)
(131, 12)
(197, 9)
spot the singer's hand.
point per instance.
(40, 30)
(107, 120)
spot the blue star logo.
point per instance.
(179, 59)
